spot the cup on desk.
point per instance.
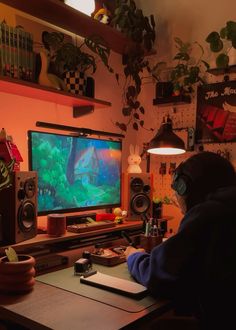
(56, 225)
(149, 242)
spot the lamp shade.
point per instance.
(166, 142)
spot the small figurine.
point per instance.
(120, 215)
(9, 151)
(134, 160)
(49, 79)
(103, 15)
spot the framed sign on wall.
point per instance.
(216, 113)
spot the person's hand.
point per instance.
(130, 250)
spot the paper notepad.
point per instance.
(115, 284)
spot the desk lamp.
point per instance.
(166, 142)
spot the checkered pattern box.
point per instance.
(75, 82)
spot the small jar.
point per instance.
(56, 225)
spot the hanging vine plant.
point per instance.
(141, 29)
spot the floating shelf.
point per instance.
(222, 71)
(57, 13)
(35, 91)
(172, 100)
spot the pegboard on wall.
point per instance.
(183, 116)
(162, 170)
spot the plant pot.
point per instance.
(164, 89)
(17, 277)
(75, 82)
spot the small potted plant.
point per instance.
(222, 43)
(188, 70)
(70, 62)
(16, 272)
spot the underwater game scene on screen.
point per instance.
(75, 172)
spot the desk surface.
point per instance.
(49, 307)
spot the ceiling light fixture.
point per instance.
(166, 142)
(85, 6)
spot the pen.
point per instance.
(127, 238)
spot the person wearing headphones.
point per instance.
(196, 267)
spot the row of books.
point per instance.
(16, 52)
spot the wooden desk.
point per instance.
(48, 307)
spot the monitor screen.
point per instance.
(75, 173)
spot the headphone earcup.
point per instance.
(181, 184)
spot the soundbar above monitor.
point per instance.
(75, 173)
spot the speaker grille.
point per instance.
(139, 195)
(140, 204)
(26, 216)
(18, 208)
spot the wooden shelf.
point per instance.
(35, 91)
(222, 71)
(57, 13)
(180, 99)
(42, 239)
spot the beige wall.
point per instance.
(189, 20)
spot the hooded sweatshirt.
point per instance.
(196, 268)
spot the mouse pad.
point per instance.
(66, 280)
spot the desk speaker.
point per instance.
(139, 195)
(18, 208)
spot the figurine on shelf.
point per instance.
(103, 15)
(120, 215)
(49, 79)
(134, 160)
(9, 152)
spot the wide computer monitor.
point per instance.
(75, 173)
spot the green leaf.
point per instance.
(141, 123)
(222, 61)
(122, 126)
(231, 30)
(216, 46)
(11, 254)
(223, 33)
(136, 105)
(141, 109)
(136, 116)
(126, 111)
(213, 37)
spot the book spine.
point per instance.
(15, 54)
(24, 55)
(31, 57)
(3, 49)
(11, 51)
(7, 53)
(19, 52)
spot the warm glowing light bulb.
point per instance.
(166, 151)
(85, 6)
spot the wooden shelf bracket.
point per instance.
(81, 110)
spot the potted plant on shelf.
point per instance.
(222, 43)
(141, 29)
(188, 70)
(70, 62)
